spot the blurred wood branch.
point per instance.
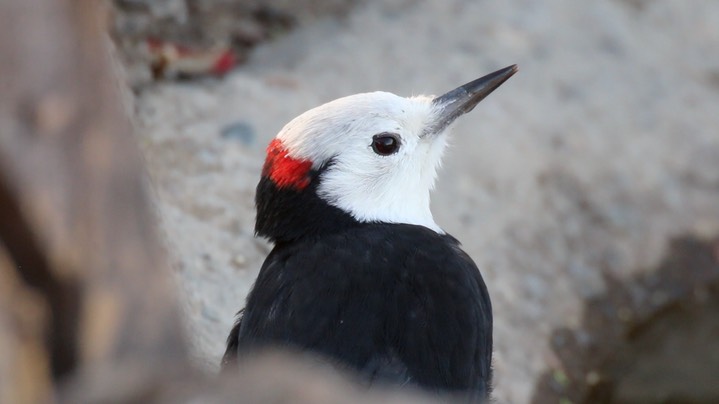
(87, 311)
(74, 221)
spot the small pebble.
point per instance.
(209, 314)
(239, 261)
(240, 131)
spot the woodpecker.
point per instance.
(360, 273)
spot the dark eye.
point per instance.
(385, 144)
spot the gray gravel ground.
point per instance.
(604, 145)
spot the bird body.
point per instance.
(360, 273)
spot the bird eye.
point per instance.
(385, 144)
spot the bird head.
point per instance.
(370, 157)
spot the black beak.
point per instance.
(464, 98)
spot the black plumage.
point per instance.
(397, 303)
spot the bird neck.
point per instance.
(290, 213)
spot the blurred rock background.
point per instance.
(574, 187)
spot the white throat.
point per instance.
(367, 202)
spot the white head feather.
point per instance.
(372, 187)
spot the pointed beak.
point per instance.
(464, 98)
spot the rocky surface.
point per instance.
(170, 39)
(603, 147)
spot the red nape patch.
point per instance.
(284, 170)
